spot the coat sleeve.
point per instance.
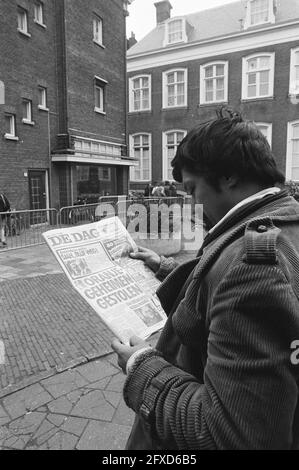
(249, 395)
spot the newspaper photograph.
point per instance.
(95, 257)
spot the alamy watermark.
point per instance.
(295, 354)
(159, 220)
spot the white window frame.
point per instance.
(271, 15)
(164, 151)
(39, 13)
(28, 118)
(184, 38)
(97, 34)
(293, 88)
(245, 73)
(203, 82)
(22, 15)
(268, 126)
(11, 135)
(100, 84)
(131, 93)
(132, 169)
(289, 157)
(165, 88)
(42, 93)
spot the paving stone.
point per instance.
(96, 370)
(60, 405)
(112, 397)
(103, 436)
(123, 415)
(74, 396)
(62, 441)
(117, 382)
(4, 418)
(63, 383)
(100, 384)
(19, 431)
(25, 400)
(94, 405)
(74, 425)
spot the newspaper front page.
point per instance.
(95, 258)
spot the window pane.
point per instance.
(170, 139)
(220, 95)
(296, 58)
(251, 78)
(251, 91)
(264, 62)
(180, 76)
(209, 71)
(296, 132)
(264, 89)
(209, 95)
(145, 82)
(219, 70)
(252, 64)
(170, 78)
(209, 85)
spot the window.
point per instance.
(266, 129)
(171, 140)
(98, 30)
(104, 173)
(294, 72)
(175, 31)
(292, 162)
(258, 76)
(27, 111)
(39, 13)
(99, 95)
(42, 97)
(213, 82)
(10, 127)
(259, 12)
(175, 88)
(140, 93)
(141, 151)
(23, 21)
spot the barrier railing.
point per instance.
(25, 228)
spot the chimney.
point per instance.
(163, 11)
(131, 41)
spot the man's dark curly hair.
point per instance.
(227, 146)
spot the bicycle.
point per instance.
(14, 225)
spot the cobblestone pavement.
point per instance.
(60, 385)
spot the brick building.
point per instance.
(63, 101)
(244, 54)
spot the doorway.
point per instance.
(37, 196)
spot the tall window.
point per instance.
(213, 82)
(294, 71)
(27, 111)
(98, 30)
(266, 129)
(175, 88)
(140, 145)
(39, 13)
(259, 12)
(42, 97)
(140, 93)
(171, 140)
(10, 126)
(99, 95)
(292, 162)
(258, 76)
(22, 21)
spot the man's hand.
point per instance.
(149, 257)
(124, 351)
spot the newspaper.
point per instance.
(95, 258)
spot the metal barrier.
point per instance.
(25, 228)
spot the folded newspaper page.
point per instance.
(95, 258)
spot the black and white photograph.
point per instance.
(132, 113)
